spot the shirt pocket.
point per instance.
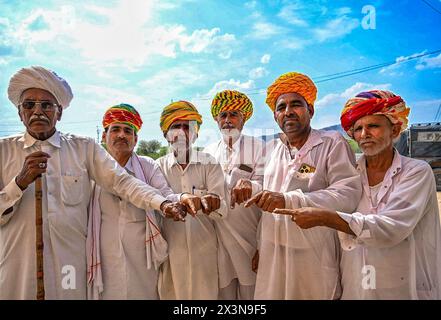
(301, 181)
(72, 188)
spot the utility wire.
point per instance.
(343, 74)
(432, 7)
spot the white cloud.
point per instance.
(289, 14)
(230, 84)
(339, 99)
(329, 107)
(126, 34)
(265, 30)
(429, 63)
(258, 72)
(265, 58)
(293, 43)
(104, 97)
(423, 63)
(250, 5)
(204, 40)
(343, 11)
(336, 28)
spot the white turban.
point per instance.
(39, 78)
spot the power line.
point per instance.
(343, 74)
(432, 7)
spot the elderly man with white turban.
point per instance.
(67, 164)
(307, 168)
(392, 243)
(242, 160)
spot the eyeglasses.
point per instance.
(45, 105)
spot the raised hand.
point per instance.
(34, 165)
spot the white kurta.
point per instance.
(237, 233)
(396, 253)
(300, 263)
(191, 271)
(74, 162)
(123, 227)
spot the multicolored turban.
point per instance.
(374, 102)
(288, 83)
(39, 78)
(231, 100)
(180, 110)
(125, 114)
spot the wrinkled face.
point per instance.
(374, 134)
(181, 135)
(230, 123)
(120, 138)
(39, 111)
(293, 114)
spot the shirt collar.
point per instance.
(313, 140)
(129, 165)
(394, 168)
(29, 141)
(172, 161)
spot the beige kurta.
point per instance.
(396, 253)
(238, 232)
(66, 191)
(300, 263)
(123, 253)
(191, 271)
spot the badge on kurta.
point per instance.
(306, 168)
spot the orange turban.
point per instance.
(288, 83)
(180, 110)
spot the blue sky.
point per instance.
(147, 53)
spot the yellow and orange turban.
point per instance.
(288, 83)
(180, 110)
(231, 100)
(123, 113)
(371, 103)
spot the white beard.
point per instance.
(228, 134)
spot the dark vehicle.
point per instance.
(423, 141)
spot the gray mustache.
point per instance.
(38, 118)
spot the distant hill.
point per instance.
(336, 127)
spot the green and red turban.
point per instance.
(374, 102)
(231, 100)
(125, 114)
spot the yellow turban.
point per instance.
(288, 83)
(232, 100)
(180, 110)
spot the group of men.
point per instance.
(293, 218)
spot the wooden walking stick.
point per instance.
(39, 245)
(39, 237)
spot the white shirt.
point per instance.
(300, 263)
(238, 232)
(191, 271)
(74, 162)
(397, 236)
(123, 241)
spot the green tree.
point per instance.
(354, 145)
(151, 148)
